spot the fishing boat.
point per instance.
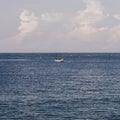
(59, 60)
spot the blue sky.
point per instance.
(60, 26)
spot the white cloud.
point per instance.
(85, 22)
(92, 14)
(116, 16)
(28, 23)
(51, 17)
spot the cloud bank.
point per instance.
(87, 28)
(90, 28)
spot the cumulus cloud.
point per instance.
(51, 17)
(28, 23)
(92, 14)
(86, 20)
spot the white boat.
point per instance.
(59, 60)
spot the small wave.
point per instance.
(13, 60)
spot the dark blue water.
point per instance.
(83, 87)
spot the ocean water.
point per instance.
(83, 87)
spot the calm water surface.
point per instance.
(83, 87)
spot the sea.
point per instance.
(86, 86)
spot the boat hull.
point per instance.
(59, 60)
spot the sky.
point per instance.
(59, 26)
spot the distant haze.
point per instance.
(60, 26)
